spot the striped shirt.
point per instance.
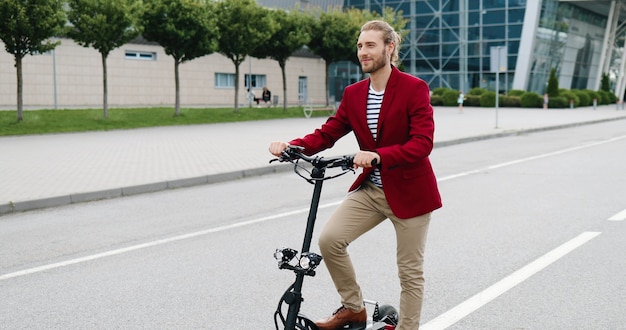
(374, 101)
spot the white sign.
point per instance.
(498, 59)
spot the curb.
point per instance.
(10, 207)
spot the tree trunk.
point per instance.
(282, 68)
(20, 102)
(177, 83)
(237, 86)
(327, 82)
(105, 90)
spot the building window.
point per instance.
(256, 80)
(139, 55)
(224, 80)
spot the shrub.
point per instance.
(583, 97)
(510, 101)
(450, 98)
(605, 85)
(531, 100)
(515, 92)
(603, 97)
(553, 84)
(612, 98)
(558, 102)
(440, 90)
(569, 95)
(592, 95)
(436, 100)
(477, 91)
(488, 99)
(472, 100)
(607, 97)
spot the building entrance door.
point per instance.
(303, 93)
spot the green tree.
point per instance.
(104, 25)
(335, 33)
(333, 38)
(26, 28)
(293, 32)
(553, 84)
(186, 29)
(244, 26)
(604, 83)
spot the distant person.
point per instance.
(545, 100)
(252, 97)
(460, 101)
(267, 96)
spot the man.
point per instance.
(392, 119)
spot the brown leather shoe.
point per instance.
(343, 317)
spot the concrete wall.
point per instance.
(136, 82)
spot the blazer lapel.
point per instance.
(361, 113)
(390, 93)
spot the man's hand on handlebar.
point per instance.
(366, 159)
(277, 147)
(361, 159)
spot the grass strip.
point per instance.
(81, 120)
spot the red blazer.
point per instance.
(405, 139)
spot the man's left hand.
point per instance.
(366, 159)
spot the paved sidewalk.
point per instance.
(58, 169)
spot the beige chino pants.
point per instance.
(361, 211)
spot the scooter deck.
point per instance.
(369, 326)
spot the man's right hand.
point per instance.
(277, 147)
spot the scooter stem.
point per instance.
(315, 201)
(294, 306)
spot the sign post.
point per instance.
(498, 64)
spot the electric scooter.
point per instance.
(287, 315)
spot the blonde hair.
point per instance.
(389, 35)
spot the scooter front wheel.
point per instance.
(303, 323)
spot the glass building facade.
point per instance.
(450, 43)
(568, 39)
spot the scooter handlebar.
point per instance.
(293, 153)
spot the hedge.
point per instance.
(477, 91)
(436, 100)
(531, 100)
(570, 96)
(477, 96)
(516, 92)
(558, 102)
(584, 98)
(439, 91)
(450, 98)
(472, 100)
(488, 99)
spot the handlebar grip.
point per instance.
(374, 162)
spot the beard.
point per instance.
(376, 64)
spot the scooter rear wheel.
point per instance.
(387, 314)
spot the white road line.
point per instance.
(619, 217)
(254, 221)
(482, 298)
(152, 243)
(522, 160)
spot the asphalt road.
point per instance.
(531, 236)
